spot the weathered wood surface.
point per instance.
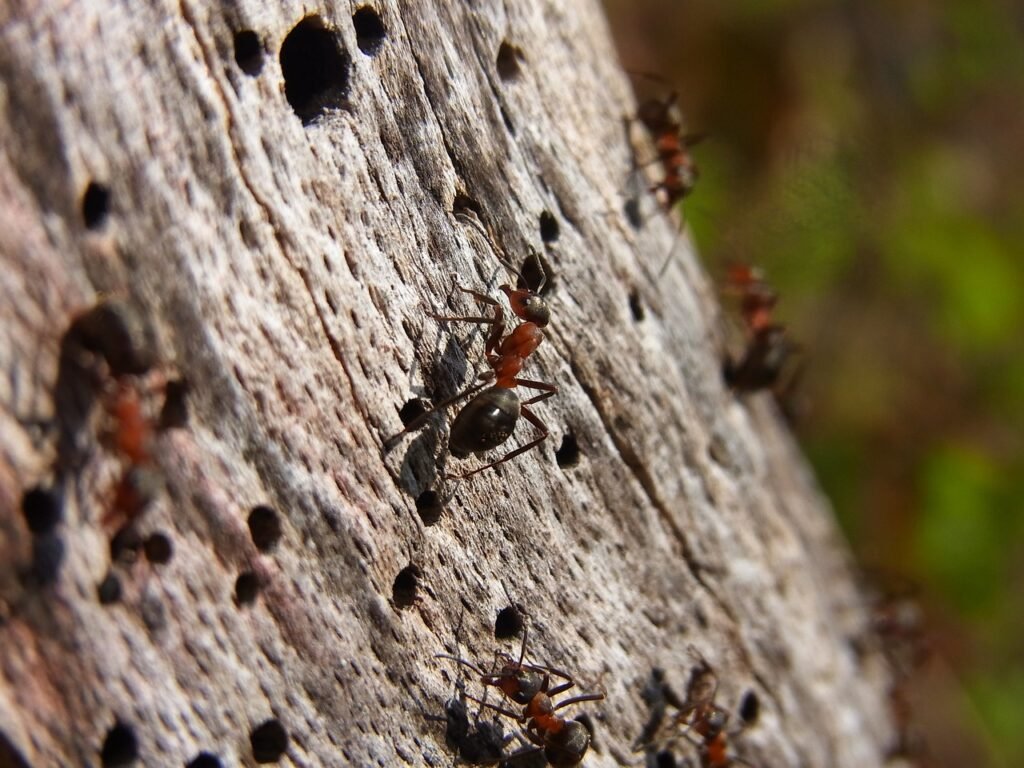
(287, 270)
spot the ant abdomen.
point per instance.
(567, 746)
(486, 422)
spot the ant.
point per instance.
(704, 722)
(563, 742)
(768, 347)
(490, 418)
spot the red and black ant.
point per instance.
(490, 418)
(703, 721)
(768, 346)
(563, 742)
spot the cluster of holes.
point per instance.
(508, 623)
(430, 507)
(264, 528)
(403, 591)
(509, 61)
(249, 52)
(95, 205)
(568, 453)
(247, 588)
(370, 30)
(315, 69)
(120, 747)
(549, 229)
(269, 740)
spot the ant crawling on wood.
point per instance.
(701, 716)
(490, 418)
(768, 346)
(563, 742)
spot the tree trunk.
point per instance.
(275, 198)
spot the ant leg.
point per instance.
(578, 699)
(418, 422)
(464, 662)
(518, 716)
(496, 321)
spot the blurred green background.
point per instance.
(869, 156)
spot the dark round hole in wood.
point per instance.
(249, 52)
(412, 410)
(95, 205)
(205, 760)
(750, 707)
(429, 507)
(247, 587)
(568, 453)
(158, 548)
(466, 205)
(264, 527)
(269, 741)
(549, 229)
(315, 69)
(508, 623)
(42, 509)
(109, 590)
(508, 61)
(174, 414)
(370, 31)
(120, 747)
(536, 273)
(636, 307)
(665, 759)
(403, 591)
(125, 544)
(117, 332)
(631, 209)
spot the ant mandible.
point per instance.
(490, 418)
(564, 742)
(769, 347)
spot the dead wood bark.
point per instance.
(285, 237)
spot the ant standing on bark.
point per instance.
(768, 347)
(490, 418)
(563, 742)
(701, 716)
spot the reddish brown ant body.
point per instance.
(663, 121)
(700, 715)
(768, 345)
(564, 742)
(490, 418)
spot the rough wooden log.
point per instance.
(271, 186)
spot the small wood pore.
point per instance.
(272, 188)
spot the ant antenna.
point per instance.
(475, 222)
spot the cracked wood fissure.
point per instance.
(287, 271)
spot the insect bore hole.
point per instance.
(412, 411)
(370, 30)
(508, 623)
(247, 587)
(249, 52)
(269, 741)
(403, 591)
(42, 509)
(315, 68)
(568, 453)
(536, 274)
(430, 507)
(109, 590)
(264, 527)
(158, 548)
(509, 61)
(636, 307)
(549, 229)
(120, 747)
(205, 760)
(750, 707)
(174, 413)
(95, 205)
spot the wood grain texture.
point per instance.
(287, 270)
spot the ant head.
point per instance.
(519, 684)
(567, 746)
(528, 305)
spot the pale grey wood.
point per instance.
(287, 271)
